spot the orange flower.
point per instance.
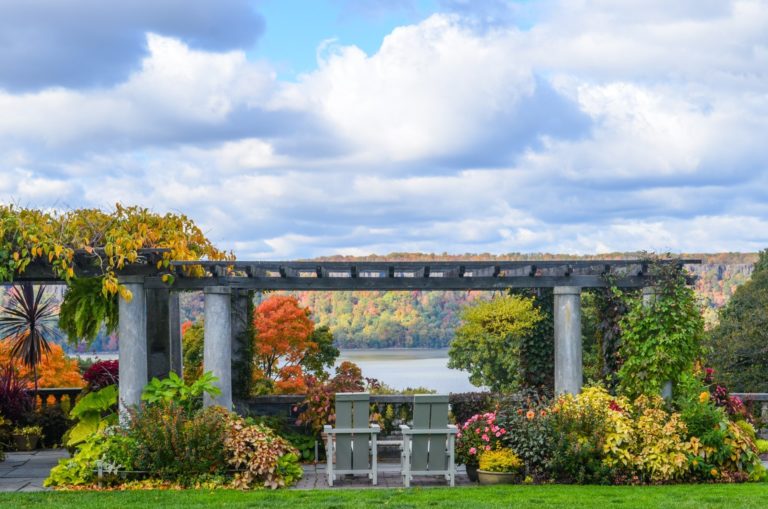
(704, 397)
(543, 413)
(530, 414)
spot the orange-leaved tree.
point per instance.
(283, 339)
(55, 369)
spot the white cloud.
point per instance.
(598, 128)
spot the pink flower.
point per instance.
(487, 447)
(472, 450)
(458, 435)
(498, 434)
(485, 437)
(486, 429)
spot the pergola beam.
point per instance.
(349, 283)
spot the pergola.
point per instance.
(150, 333)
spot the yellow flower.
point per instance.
(704, 397)
(713, 472)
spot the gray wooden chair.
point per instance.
(352, 442)
(428, 447)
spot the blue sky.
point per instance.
(292, 129)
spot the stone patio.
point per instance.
(25, 471)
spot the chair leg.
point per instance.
(329, 454)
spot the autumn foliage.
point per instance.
(56, 370)
(283, 340)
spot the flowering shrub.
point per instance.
(465, 405)
(480, 433)
(500, 460)
(530, 436)
(101, 374)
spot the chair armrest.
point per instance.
(453, 429)
(327, 428)
(347, 431)
(405, 429)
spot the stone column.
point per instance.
(568, 356)
(649, 297)
(174, 333)
(217, 348)
(132, 344)
(242, 350)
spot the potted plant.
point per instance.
(501, 466)
(480, 433)
(26, 437)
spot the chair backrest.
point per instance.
(430, 411)
(352, 411)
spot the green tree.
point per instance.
(488, 342)
(317, 361)
(192, 342)
(739, 344)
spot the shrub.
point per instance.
(480, 433)
(649, 445)
(260, 457)
(762, 446)
(101, 374)
(466, 404)
(500, 460)
(16, 403)
(54, 423)
(318, 406)
(188, 395)
(112, 449)
(581, 426)
(175, 445)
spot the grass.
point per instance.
(677, 497)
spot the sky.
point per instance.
(299, 128)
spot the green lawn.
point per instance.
(604, 497)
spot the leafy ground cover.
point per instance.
(678, 497)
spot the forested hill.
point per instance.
(428, 319)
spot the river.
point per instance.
(397, 367)
(409, 367)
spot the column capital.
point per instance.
(222, 290)
(130, 280)
(567, 290)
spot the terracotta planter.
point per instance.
(472, 472)
(26, 442)
(496, 477)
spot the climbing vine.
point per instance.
(660, 339)
(611, 305)
(537, 348)
(107, 241)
